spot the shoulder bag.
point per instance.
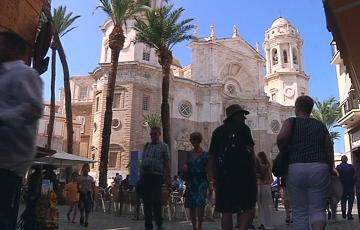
(281, 162)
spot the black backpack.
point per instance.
(234, 156)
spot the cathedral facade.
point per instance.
(223, 71)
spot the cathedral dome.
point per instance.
(280, 22)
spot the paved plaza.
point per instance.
(108, 221)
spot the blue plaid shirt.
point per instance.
(154, 158)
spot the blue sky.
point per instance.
(83, 44)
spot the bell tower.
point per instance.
(285, 76)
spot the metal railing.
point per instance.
(350, 104)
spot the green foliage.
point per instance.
(152, 120)
(42, 44)
(328, 112)
(122, 10)
(161, 27)
(62, 20)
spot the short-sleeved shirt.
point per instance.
(237, 136)
(308, 141)
(154, 158)
(72, 192)
(347, 177)
(236, 188)
(85, 183)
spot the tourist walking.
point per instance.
(195, 170)
(155, 169)
(232, 169)
(264, 200)
(286, 201)
(357, 186)
(311, 158)
(275, 192)
(86, 186)
(71, 193)
(118, 179)
(347, 178)
(334, 194)
(21, 107)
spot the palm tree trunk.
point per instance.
(165, 61)
(50, 127)
(116, 42)
(68, 108)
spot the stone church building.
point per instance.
(223, 71)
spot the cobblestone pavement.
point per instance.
(108, 221)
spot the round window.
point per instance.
(275, 126)
(185, 109)
(116, 123)
(231, 89)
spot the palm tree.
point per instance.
(62, 24)
(152, 120)
(329, 113)
(161, 29)
(120, 11)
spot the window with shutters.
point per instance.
(146, 103)
(83, 94)
(116, 102)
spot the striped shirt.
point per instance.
(154, 158)
(308, 141)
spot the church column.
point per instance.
(280, 57)
(291, 56)
(300, 58)
(268, 61)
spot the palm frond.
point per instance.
(161, 27)
(328, 112)
(120, 11)
(335, 135)
(152, 120)
(63, 21)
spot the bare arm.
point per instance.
(284, 135)
(211, 169)
(329, 150)
(213, 151)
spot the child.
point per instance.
(86, 187)
(71, 192)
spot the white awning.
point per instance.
(64, 159)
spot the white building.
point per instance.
(349, 102)
(223, 71)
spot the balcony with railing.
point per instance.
(350, 112)
(350, 104)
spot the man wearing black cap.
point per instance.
(232, 169)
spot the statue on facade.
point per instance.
(236, 32)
